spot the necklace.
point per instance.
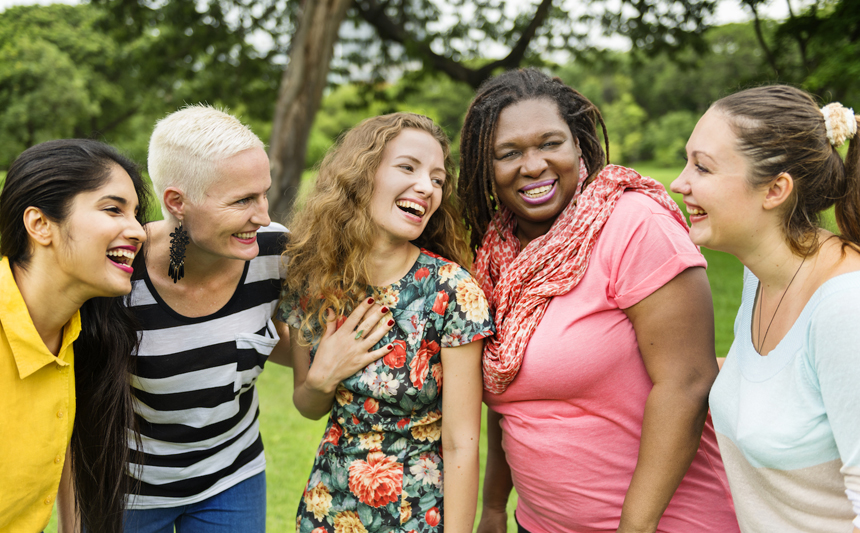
(761, 300)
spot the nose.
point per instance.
(680, 184)
(533, 163)
(136, 232)
(423, 184)
(261, 213)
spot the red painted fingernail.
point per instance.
(370, 300)
(390, 322)
(384, 310)
(389, 347)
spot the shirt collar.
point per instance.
(28, 349)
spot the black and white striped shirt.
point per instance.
(196, 403)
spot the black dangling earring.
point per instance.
(178, 240)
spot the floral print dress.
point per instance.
(379, 465)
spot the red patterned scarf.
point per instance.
(520, 284)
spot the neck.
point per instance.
(200, 265)
(773, 263)
(50, 301)
(527, 231)
(390, 261)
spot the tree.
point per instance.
(818, 48)
(380, 38)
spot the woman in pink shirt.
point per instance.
(598, 379)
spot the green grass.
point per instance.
(291, 440)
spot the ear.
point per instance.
(39, 227)
(175, 201)
(778, 191)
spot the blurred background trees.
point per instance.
(109, 69)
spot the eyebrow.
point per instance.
(544, 135)
(118, 199)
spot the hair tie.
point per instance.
(839, 122)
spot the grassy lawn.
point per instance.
(291, 440)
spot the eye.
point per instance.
(702, 170)
(113, 209)
(244, 201)
(407, 167)
(438, 181)
(507, 155)
(550, 144)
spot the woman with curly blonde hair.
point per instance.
(377, 228)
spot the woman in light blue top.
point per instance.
(762, 167)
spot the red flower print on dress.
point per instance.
(419, 365)
(333, 435)
(437, 375)
(433, 517)
(371, 406)
(440, 305)
(402, 423)
(319, 530)
(396, 358)
(377, 482)
(422, 273)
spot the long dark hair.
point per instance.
(781, 129)
(476, 182)
(49, 176)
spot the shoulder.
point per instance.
(838, 300)
(441, 267)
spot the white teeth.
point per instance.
(410, 205)
(537, 192)
(246, 235)
(119, 252)
(696, 211)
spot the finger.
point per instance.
(357, 314)
(376, 334)
(378, 354)
(330, 322)
(372, 319)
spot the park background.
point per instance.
(300, 72)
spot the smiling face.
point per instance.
(407, 186)
(536, 164)
(234, 207)
(724, 209)
(97, 242)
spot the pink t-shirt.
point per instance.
(572, 417)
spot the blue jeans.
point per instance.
(241, 508)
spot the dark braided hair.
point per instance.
(477, 190)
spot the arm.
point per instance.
(67, 512)
(281, 354)
(497, 480)
(339, 355)
(461, 433)
(675, 332)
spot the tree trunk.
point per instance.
(299, 98)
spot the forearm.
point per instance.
(497, 474)
(460, 486)
(313, 402)
(671, 431)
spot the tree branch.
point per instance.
(373, 12)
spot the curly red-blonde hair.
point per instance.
(333, 234)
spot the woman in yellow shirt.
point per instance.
(70, 226)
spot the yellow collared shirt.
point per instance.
(37, 412)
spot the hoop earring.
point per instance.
(178, 240)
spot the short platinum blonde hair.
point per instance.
(187, 145)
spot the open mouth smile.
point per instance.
(246, 237)
(122, 257)
(538, 193)
(411, 208)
